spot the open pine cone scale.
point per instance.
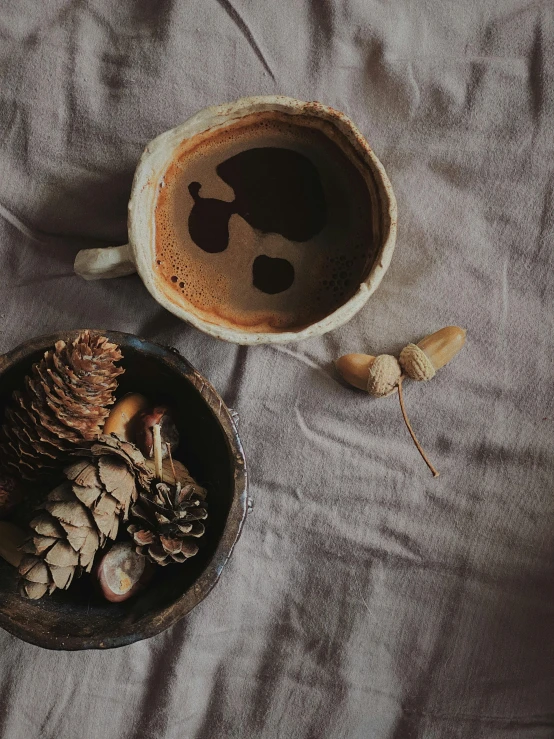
(41, 441)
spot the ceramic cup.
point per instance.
(139, 254)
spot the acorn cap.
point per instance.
(420, 361)
(416, 364)
(384, 375)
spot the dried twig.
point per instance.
(158, 462)
(412, 434)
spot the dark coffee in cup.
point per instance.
(265, 224)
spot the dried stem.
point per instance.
(158, 466)
(410, 429)
(171, 461)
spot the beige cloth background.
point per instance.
(365, 599)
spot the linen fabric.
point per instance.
(365, 599)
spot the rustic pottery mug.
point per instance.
(266, 220)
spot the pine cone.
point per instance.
(80, 515)
(63, 404)
(165, 522)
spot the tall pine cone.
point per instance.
(65, 402)
(81, 514)
(165, 523)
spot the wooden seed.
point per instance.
(122, 572)
(420, 361)
(443, 345)
(354, 368)
(123, 415)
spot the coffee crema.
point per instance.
(265, 225)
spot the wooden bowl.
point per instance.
(81, 619)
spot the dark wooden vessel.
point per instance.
(211, 448)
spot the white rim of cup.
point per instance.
(149, 176)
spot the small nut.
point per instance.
(420, 361)
(384, 375)
(122, 572)
(354, 368)
(123, 416)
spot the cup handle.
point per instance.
(111, 261)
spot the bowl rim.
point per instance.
(151, 170)
(172, 358)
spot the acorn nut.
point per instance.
(122, 572)
(354, 368)
(123, 417)
(378, 376)
(421, 361)
(384, 374)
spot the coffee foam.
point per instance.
(218, 287)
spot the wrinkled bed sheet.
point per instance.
(366, 600)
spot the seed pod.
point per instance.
(123, 416)
(121, 572)
(378, 376)
(420, 361)
(384, 375)
(354, 368)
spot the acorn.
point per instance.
(418, 361)
(383, 375)
(122, 420)
(354, 368)
(421, 361)
(378, 376)
(121, 572)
